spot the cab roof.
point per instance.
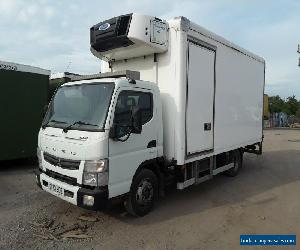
(119, 82)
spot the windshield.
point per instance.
(81, 106)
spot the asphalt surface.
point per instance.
(262, 199)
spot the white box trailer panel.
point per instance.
(238, 101)
(211, 91)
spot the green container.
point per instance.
(23, 97)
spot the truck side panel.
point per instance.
(238, 96)
(239, 100)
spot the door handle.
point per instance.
(152, 144)
(207, 126)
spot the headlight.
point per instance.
(39, 156)
(95, 173)
(95, 166)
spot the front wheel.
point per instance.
(143, 193)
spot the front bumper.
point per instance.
(74, 194)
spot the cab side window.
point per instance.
(128, 101)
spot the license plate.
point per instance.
(56, 189)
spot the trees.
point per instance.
(276, 104)
(290, 105)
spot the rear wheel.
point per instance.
(143, 193)
(238, 162)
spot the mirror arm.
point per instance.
(112, 134)
(126, 138)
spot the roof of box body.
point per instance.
(186, 23)
(23, 68)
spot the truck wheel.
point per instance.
(143, 193)
(238, 162)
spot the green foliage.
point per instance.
(276, 104)
(290, 105)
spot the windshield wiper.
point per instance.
(46, 124)
(79, 123)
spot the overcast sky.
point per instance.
(55, 34)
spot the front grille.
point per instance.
(61, 177)
(60, 162)
(51, 159)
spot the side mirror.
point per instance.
(117, 131)
(134, 125)
(137, 121)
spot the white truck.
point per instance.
(177, 104)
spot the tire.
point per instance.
(238, 162)
(143, 193)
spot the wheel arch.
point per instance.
(155, 166)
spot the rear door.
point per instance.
(200, 99)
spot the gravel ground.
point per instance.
(262, 199)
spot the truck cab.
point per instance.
(95, 136)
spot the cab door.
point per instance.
(131, 150)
